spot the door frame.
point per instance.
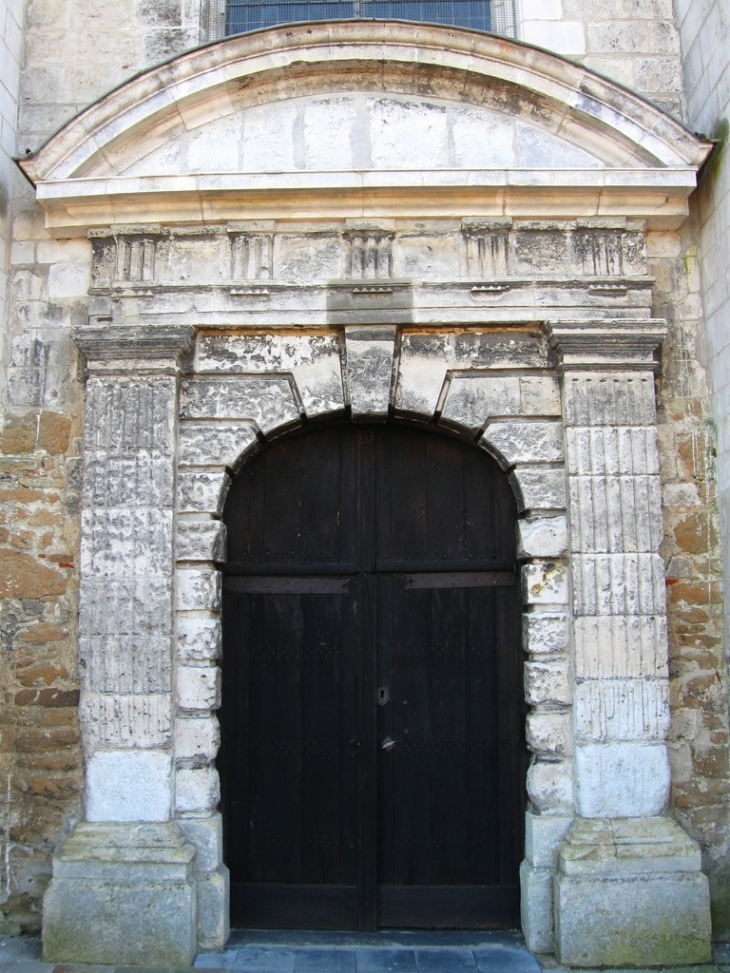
(529, 569)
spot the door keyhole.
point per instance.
(383, 695)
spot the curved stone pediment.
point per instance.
(358, 111)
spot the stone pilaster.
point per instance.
(127, 867)
(621, 694)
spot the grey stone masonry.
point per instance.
(126, 596)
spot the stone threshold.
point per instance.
(344, 952)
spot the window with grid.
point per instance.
(226, 17)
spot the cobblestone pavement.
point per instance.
(402, 952)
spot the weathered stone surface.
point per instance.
(542, 537)
(202, 491)
(544, 633)
(536, 907)
(198, 589)
(615, 513)
(200, 540)
(538, 488)
(131, 785)
(370, 369)
(543, 834)
(545, 583)
(122, 894)
(198, 687)
(197, 739)
(136, 721)
(593, 399)
(550, 786)
(197, 789)
(198, 638)
(618, 584)
(652, 909)
(269, 402)
(549, 734)
(546, 681)
(216, 443)
(622, 709)
(625, 779)
(524, 442)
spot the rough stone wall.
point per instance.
(704, 802)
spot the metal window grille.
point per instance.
(226, 17)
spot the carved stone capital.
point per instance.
(135, 349)
(609, 344)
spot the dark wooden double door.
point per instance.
(372, 760)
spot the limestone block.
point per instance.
(616, 513)
(198, 589)
(536, 907)
(202, 491)
(631, 892)
(216, 443)
(115, 721)
(610, 646)
(126, 541)
(549, 734)
(542, 537)
(545, 583)
(538, 488)
(197, 739)
(623, 399)
(198, 687)
(313, 360)
(198, 638)
(543, 835)
(268, 401)
(524, 442)
(122, 894)
(129, 785)
(550, 785)
(200, 540)
(197, 789)
(622, 709)
(540, 395)
(473, 400)
(618, 584)
(370, 357)
(612, 451)
(213, 895)
(547, 681)
(206, 834)
(627, 780)
(114, 480)
(544, 633)
(131, 663)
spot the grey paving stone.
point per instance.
(385, 960)
(325, 961)
(497, 959)
(263, 959)
(216, 961)
(445, 960)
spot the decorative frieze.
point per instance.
(252, 255)
(369, 252)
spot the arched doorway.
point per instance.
(373, 761)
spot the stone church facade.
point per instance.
(359, 222)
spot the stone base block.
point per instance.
(629, 892)
(122, 894)
(213, 909)
(537, 907)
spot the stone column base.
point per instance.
(122, 894)
(629, 892)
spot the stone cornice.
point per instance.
(607, 345)
(132, 349)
